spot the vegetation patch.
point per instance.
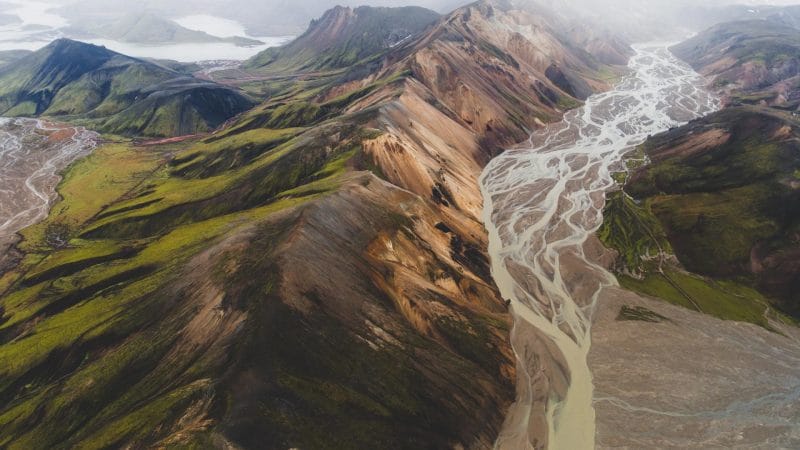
(725, 300)
(639, 313)
(634, 231)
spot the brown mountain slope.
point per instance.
(751, 62)
(313, 276)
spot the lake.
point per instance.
(40, 24)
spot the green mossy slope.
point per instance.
(730, 212)
(113, 93)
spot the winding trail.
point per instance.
(542, 202)
(32, 155)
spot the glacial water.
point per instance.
(542, 202)
(32, 155)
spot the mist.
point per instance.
(290, 17)
(238, 29)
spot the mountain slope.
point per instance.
(311, 276)
(725, 189)
(114, 93)
(721, 192)
(704, 16)
(147, 28)
(752, 61)
(344, 36)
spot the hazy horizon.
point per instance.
(239, 29)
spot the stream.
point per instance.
(542, 203)
(32, 155)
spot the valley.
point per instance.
(500, 227)
(320, 252)
(543, 203)
(706, 221)
(33, 154)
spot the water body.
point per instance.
(32, 155)
(40, 24)
(543, 201)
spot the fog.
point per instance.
(290, 17)
(186, 30)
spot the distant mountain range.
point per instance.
(147, 28)
(114, 93)
(344, 36)
(752, 61)
(269, 18)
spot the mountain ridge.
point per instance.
(112, 92)
(721, 192)
(344, 36)
(750, 61)
(312, 275)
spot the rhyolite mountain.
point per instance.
(344, 36)
(114, 93)
(723, 192)
(312, 275)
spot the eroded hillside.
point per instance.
(314, 275)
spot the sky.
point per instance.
(273, 21)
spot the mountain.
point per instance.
(312, 275)
(147, 28)
(272, 18)
(752, 61)
(9, 56)
(702, 17)
(721, 193)
(115, 93)
(344, 36)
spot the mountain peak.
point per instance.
(344, 36)
(69, 45)
(72, 78)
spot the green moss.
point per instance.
(725, 300)
(711, 208)
(91, 185)
(566, 103)
(639, 313)
(714, 233)
(469, 339)
(143, 422)
(634, 231)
